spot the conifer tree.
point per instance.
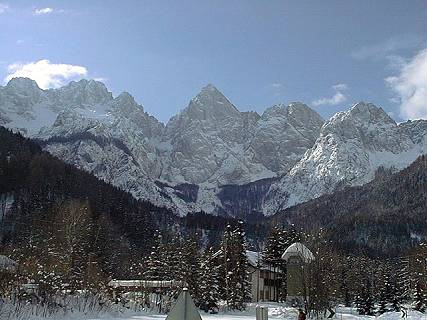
(190, 262)
(241, 269)
(385, 295)
(364, 300)
(274, 248)
(155, 267)
(209, 294)
(277, 242)
(419, 298)
(236, 289)
(404, 279)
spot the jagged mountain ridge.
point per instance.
(386, 216)
(209, 144)
(352, 145)
(211, 150)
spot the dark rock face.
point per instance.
(244, 201)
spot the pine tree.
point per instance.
(364, 300)
(189, 269)
(241, 270)
(155, 267)
(209, 294)
(176, 266)
(277, 242)
(419, 298)
(236, 287)
(274, 248)
(344, 281)
(396, 295)
(385, 296)
(404, 279)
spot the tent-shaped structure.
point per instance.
(184, 308)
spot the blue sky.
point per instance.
(328, 54)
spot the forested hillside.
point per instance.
(47, 203)
(384, 217)
(51, 209)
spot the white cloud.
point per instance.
(46, 74)
(340, 87)
(277, 85)
(42, 11)
(336, 99)
(383, 49)
(101, 79)
(410, 87)
(276, 88)
(3, 7)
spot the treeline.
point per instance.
(372, 285)
(385, 217)
(212, 275)
(73, 226)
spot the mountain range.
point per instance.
(211, 157)
(384, 217)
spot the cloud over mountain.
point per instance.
(46, 74)
(410, 87)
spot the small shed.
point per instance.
(297, 257)
(137, 284)
(151, 292)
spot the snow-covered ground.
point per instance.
(278, 312)
(275, 311)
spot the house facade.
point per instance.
(265, 280)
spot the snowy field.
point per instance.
(277, 312)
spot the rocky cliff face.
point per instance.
(182, 165)
(351, 146)
(210, 156)
(212, 142)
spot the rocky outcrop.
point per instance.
(351, 146)
(211, 157)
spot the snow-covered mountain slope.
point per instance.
(283, 134)
(212, 142)
(351, 147)
(211, 156)
(208, 145)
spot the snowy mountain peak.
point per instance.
(209, 91)
(210, 87)
(210, 102)
(298, 105)
(125, 100)
(352, 145)
(362, 117)
(370, 112)
(300, 108)
(210, 144)
(22, 85)
(85, 92)
(290, 108)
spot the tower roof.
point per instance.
(297, 249)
